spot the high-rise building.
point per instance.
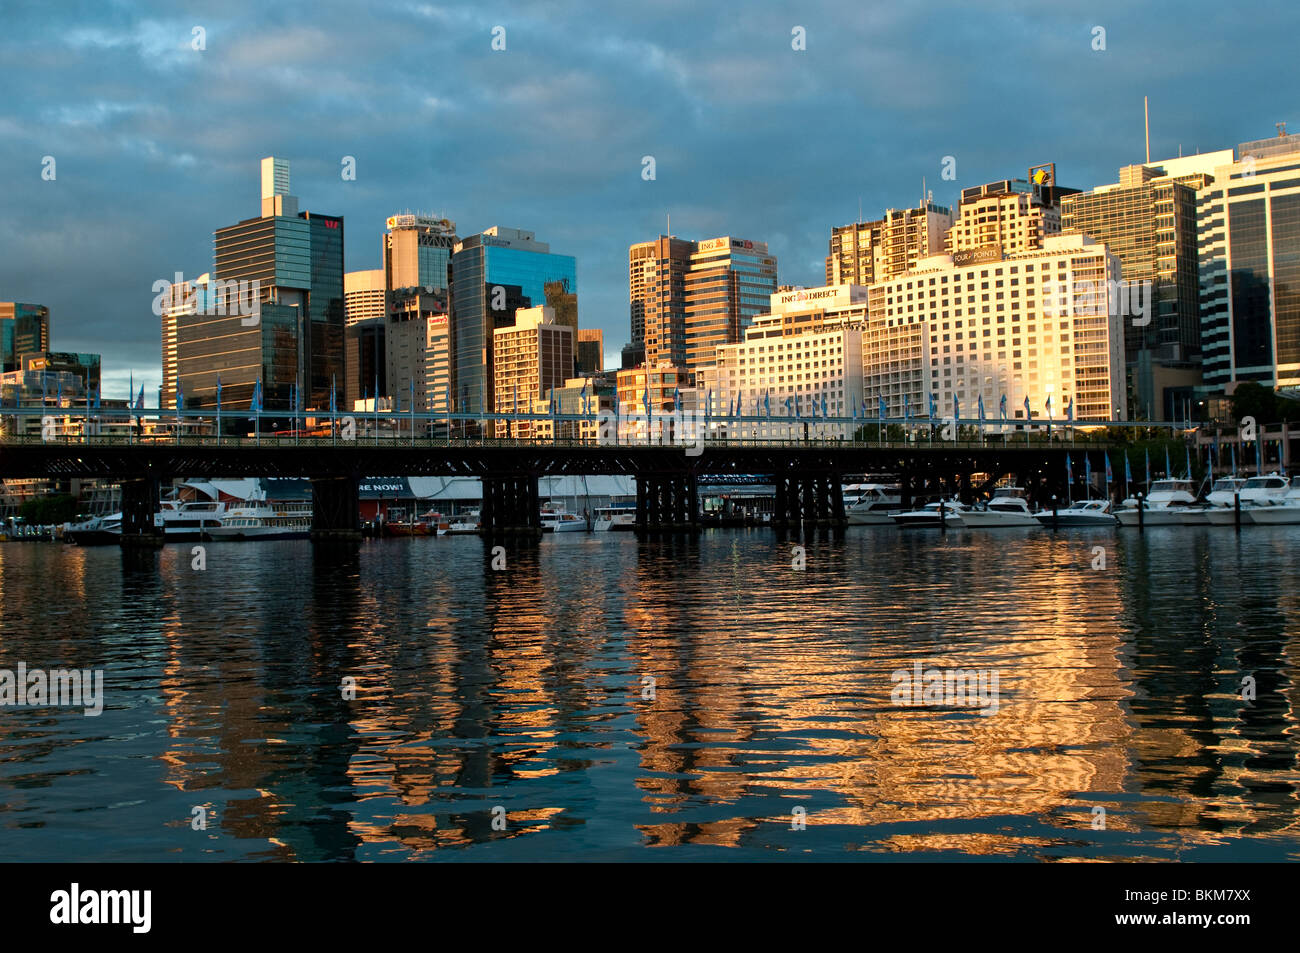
(295, 261)
(729, 282)
(530, 358)
(590, 357)
(866, 252)
(1010, 215)
(418, 353)
(494, 275)
(1148, 219)
(1249, 243)
(1033, 325)
(365, 295)
(179, 300)
(24, 329)
(417, 251)
(656, 274)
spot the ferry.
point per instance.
(871, 504)
(188, 521)
(1007, 508)
(258, 519)
(928, 515)
(1083, 513)
(1164, 506)
(616, 517)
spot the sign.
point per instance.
(977, 256)
(714, 244)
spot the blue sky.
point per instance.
(156, 144)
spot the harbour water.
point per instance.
(604, 697)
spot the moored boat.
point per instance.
(1163, 507)
(1007, 508)
(929, 515)
(1082, 513)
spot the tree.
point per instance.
(45, 510)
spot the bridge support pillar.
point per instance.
(139, 505)
(667, 503)
(809, 498)
(335, 509)
(511, 505)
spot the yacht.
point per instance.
(1008, 507)
(1082, 513)
(96, 531)
(928, 515)
(1220, 497)
(1255, 492)
(617, 516)
(1283, 512)
(1164, 506)
(187, 521)
(258, 519)
(871, 504)
(555, 519)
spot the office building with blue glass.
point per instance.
(493, 275)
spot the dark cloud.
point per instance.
(157, 144)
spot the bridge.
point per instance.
(807, 473)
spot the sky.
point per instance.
(156, 142)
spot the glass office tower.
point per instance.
(493, 275)
(24, 329)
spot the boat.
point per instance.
(463, 524)
(1254, 492)
(1007, 508)
(1164, 506)
(187, 521)
(96, 531)
(617, 517)
(1082, 513)
(1283, 512)
(426, 524)
(871, 504)
(928, 515)
(258, 519)
(555, 519)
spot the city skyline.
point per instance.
(121, 154)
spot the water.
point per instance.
(477, 691)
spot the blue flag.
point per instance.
(1106, 457)
(1029, 414)
(1169, 470)
(980, 401)
(1069, 469)
(956, 408)
(787, 406)
(907, 409)
(1002, 407)
(1128, 471)
(1187, 451)
(1087, 469)
(767, 403)
(882, 409)
(1147, 454)
(934, 405)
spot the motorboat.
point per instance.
(1283, 512)
(185, 521)
(1007, 508)
(929, 515)
(96, 531)
(555, 519)
(1254, 492)
(1082, 513)
(871, 504)
(1164, 505)
(617, 517)
(463, 524)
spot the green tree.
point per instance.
(54, 508)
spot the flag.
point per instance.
(677, 397)
(1069, 469)
(797, 415)
(787, 406)
(1106, 456)
(1087, 469)
(97, 398)
(853, 409)
(956, 408)
(708, 404)
(883, 411)
(1188, 453)
(645, 397)
(826, 406)
(1128, 471)
(1232, 451)
(1069, 410)
(1147, 454)
(180, 397)
(814, 405)
(1002, 407)
(907, 409)
(980, 401)
(1049, 406)
(767, 403)
(934, 405)
(139, 403)
(1169, 470)
(1029, 414)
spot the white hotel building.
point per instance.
(1035, 324)
(977, 324)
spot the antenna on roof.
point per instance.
(1281, 129)
(1146, 121)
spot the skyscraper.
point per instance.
(531, 356)
(866, 252)
(730, 281)
(24, 329)
(656, 280)
(493, 275)
(1249, 241)
(590, 357)
(417, 251)
(294, 260)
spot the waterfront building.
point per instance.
(1148, 218)
(294, 336)
(24, 329)
(417, 252)
(590, 356)
(493, 276)
(863, 253)
(1034, 325)
(530, 358)
(1249, 248)
(729, 282)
